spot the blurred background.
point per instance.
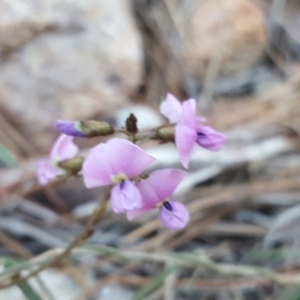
(97, 59)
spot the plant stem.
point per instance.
(80, 239)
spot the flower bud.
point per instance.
(73, 166)
(131, 124)
(89, 128)
(166, 134)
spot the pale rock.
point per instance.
(20, 21)
(147, 118)
(115, 292)
(231, 33)
(67, 59)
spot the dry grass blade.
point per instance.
(14, 246)
(227, 195)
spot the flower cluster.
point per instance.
(189, 130)
(120, 163)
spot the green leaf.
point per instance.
(198, 271)
(105, 250)
(292, 293)
(44, 288)
(6, 157)
(13, 266)
(25, 287)
(29, 292)
(264, 255)
(154, 284)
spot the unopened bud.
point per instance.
(131, 124)
(73, 165)
(166, 134)
(89, 128)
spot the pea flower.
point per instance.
(157, 191)
(117, 162)
(63, 149)
(188, 130)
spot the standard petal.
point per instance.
(171, 108)
(125, 196)
(210, 139)
(96, 169)
(149, 195)
(132, 214)
(174, 216)
(188, 116)
(164, 182)
(70, 128)
(127, 157)
(63, 149)
(185, 138)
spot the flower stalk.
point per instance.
(17, 279)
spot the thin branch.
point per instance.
(80, 239)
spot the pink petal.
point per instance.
(149, 196)
(127, 157)
(125, 196)
(115, 200)
(185, 139)
(46, 171)
(164, 182)
(159, 186)
(171, 108)
(188, 116)
(96, 169)
(132, 214)
(41, 172)
(174, 216)
(63, 149)
(210, 139)
(201, 119)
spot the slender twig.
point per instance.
(141, 136)
(14, 246)
(81, 238)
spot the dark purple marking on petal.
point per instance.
(168, 205)
(122, 184)
(175, 219)
(200, 134)
(210, 139)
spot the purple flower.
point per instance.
(63, 149)
(157, 191)
(71, 128)
(117, 162)
(188, 131)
